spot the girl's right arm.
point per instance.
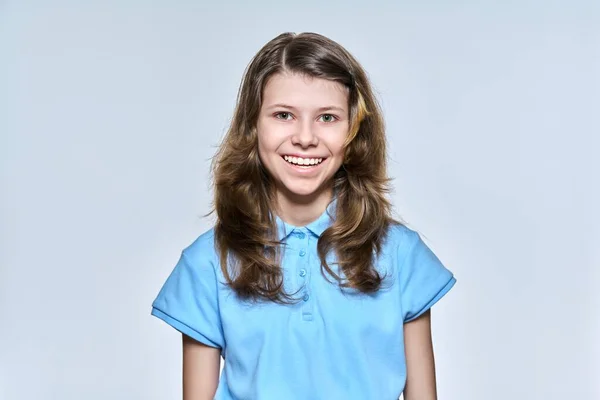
(201, 365)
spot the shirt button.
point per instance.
(302, 253)
(305, 298)
(302, 272)
(301, 235)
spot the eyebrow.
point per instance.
(321, 109)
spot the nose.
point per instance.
(305, 136)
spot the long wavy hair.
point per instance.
(244, 194)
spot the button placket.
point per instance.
(304, 274)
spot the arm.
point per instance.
(420, 364)
(201, 366)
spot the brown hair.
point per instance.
(246, 230)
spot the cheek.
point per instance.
(335, 144)
(262, 139)
(267, 137)
(267, 145)
(263, 152)
(336, 147)
(266, 152)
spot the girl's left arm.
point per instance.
(420, 364)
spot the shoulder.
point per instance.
(422, 277)
(401, 238)
(202, 251)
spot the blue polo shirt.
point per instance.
(332, 344)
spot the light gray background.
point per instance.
(111, 110)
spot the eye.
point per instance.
(328, 118)
(283, 115)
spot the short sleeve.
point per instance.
(424, 280)
(188, 301)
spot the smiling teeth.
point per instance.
(303, 161)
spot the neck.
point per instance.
(302, 210)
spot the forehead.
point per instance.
(304, 91)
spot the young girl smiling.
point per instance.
(306, 286)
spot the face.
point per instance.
(302, 126)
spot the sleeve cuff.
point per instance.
(445, 288)
(183, 328)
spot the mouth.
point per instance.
(303, 162)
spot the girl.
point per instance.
(305, 286)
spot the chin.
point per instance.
(305, 190)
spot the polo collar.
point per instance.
(316, 227)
